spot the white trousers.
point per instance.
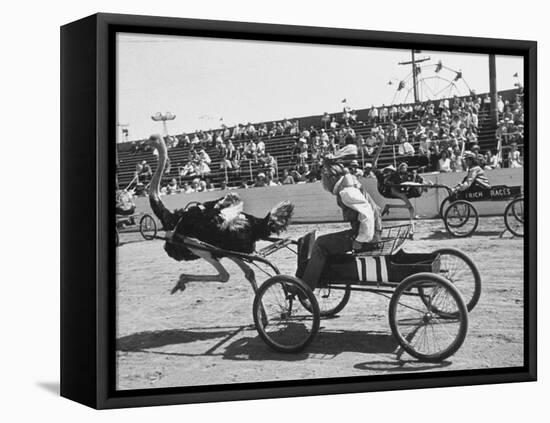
(354, 199)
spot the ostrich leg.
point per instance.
(251, 277)
(248, 272)
(185, 278)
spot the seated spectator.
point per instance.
(144, 172)
(273, 130)
(514, 157)
(491, 160)
(198, 185)
(333, 124)
(250, 130)
(402, 133)
(203, 155)
(250, 151)
(260, 180)
(270, 182)
(187, 189)
(355, 169)
(287, 125)
(209, 185)
(188, 169)
(373, 115)
(243, 184)
(262, 132)
(260, 148)
(202, 168)
(172, 187)
(444, 163)
(270, 165)
(384, 114)
(457, 163)
(287, 179)
(418, 131)
(405, 149)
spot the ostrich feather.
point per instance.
(280, 215)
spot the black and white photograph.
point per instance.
(290, 211)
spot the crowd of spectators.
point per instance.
(444, 130)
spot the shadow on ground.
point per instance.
(326, 345)
(439, 235)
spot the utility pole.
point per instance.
(414, 61)
(493, 89)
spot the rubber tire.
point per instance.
(508, 226)
(405, 285)
(332, 311)
(141, 230)
(471, 303)
(471, 211)
(301, 286)
(443, 207)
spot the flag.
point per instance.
(439, 66)
(516, 75)
(344, 100)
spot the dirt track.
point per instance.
(205, 335)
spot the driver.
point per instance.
(475, 179)
(362, 213)
(124, 203)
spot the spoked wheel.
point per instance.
(443, 207)
(281, 319)
(461, 271)
(428, 317)
(331, 299)
(148, 227)
(461, 218)
(514, 217)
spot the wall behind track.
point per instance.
(314, 204)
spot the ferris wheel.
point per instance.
(430, 81)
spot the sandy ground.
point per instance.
(205, 335)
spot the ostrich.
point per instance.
(220, 223)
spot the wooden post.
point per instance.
(493, 89)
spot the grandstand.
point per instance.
(280, 146)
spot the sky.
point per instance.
(203, 80)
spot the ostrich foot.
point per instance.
(180, 286)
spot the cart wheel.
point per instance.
(443, 206)
(461, 271)
(148, 227)
(461, 218)
(331, 299)
(513, 216)
(282, 321)
(428, 317)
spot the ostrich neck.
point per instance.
(154, 189)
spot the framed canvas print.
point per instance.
(256, 211)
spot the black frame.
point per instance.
(87, 233)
